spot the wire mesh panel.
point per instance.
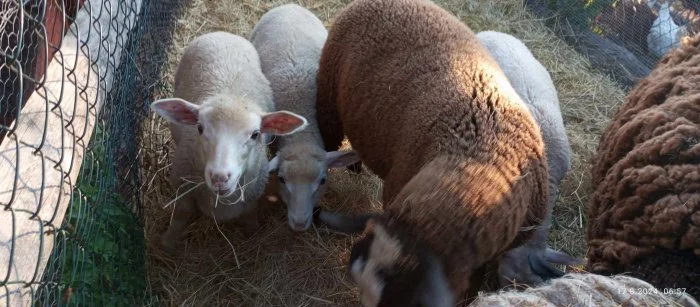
(621, 38)
(647, 28)
(72, 99)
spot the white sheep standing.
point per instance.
(664, 34)
(220, 121)
(289, 39)
(528, 263)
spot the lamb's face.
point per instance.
(300, 184)
(302, 177)
(230, 132)
(227, 137)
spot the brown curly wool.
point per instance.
(422, 101)
(644, 215)
(586, 289)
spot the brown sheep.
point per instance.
(463, 162)
(644, 215)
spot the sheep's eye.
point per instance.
(281, 179)
(323, 181)
(200, 128)
(255, 135)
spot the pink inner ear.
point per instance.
(180, 112)
(280, 123)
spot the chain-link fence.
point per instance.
(77, 77)
(624, 38)
(648, 28)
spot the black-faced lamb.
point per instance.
(220, 119)
(527, 264)
(289, 39)
(644, 213)
(429, 111)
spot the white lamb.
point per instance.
(220, 122)
(528, 263)
(289, 40)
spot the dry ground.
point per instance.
(282, 268)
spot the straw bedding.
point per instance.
(282, 268)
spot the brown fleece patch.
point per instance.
(646, 202)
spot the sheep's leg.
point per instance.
(184, 213)
(514, 265)
(528, 264)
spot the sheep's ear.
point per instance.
(335, 159)
(176, 110)
(273, 164)
(282, 123)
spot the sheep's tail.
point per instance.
(542, 266)
(341, 222)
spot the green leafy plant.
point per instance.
(103, 255)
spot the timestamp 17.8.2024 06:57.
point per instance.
(652, 290)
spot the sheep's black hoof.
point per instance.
(542, 268)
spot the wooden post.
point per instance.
(38, 177)
(55, 28)
(35, 50)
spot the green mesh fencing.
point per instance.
(77, 77)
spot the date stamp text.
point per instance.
(648, 291)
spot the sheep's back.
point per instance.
(401, 70)
(289, 40)
(534, 85)
(289, 37)
(676, 75)
(221, 63)
(646, 176)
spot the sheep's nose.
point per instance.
(219, 179)
(299, 226)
